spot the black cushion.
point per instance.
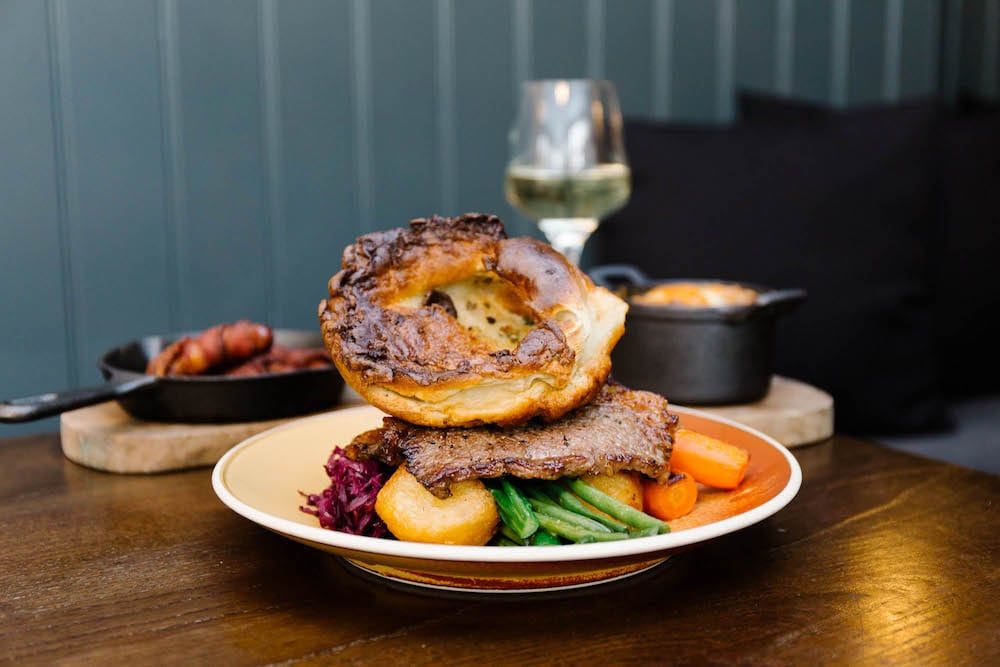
(967, 259)
(840, 208)
(965, 234)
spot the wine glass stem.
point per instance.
(568, 235)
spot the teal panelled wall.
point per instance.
(167, 164)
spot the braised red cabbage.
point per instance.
(348, 504)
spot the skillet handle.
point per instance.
(614, 275)
(30, 408)
(781, 301)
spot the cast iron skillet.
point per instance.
(192, 399)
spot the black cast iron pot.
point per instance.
(699, 356)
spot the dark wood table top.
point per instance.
(882, 557)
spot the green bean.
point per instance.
(615, 508)
(504, 542)
(574, 533)
(570, 502)
(522, 505)
(556, 512)
(645, 532)
(514, 509)
(543, 538)
(507, 532)
(508, 516)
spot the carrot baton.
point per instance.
(671, 500)
(711, 462)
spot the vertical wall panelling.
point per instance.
(63, 140)
(521, 44)
(694, 60)
(173, 163)
(922, 44)
(559, 44)
(663, 50)
(172, 155)
(725, 37)
(114, 176)
(756, 40)
(226, 269)
(271, 223)
(893, 43)
(840, 52)
(404, 112)
(628, 55)
(991, 36)
(951, 48)
(33, 357)
(445, 40)
(864, 40)
(269, 69)
(361, 66)
(484, 105)
(865, 43)
(595, 38)
(811, 79)
(318, 166)
(973, 31)
(784, 48)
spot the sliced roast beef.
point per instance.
(621, 429)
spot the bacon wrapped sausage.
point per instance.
(220, 347)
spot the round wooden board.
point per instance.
(793, 413)
(105, 437)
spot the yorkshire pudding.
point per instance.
(450, 323)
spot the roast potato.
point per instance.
(623, 486)
(413, 514)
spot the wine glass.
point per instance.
(567, 166)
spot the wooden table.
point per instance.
(882, 557)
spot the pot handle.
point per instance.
(30, 408)
(613, 275)
(781, 301)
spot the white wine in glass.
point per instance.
(568, 167)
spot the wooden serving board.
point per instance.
(105, 437)
(793, 413)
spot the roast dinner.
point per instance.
(491, 357)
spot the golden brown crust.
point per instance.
(410, 356)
